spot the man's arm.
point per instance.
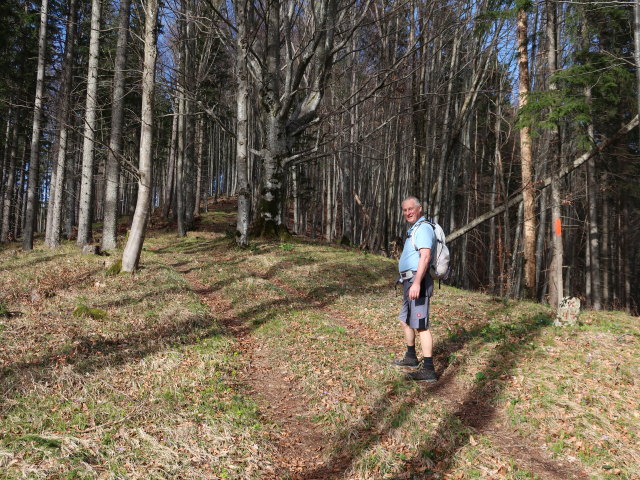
(423, 266)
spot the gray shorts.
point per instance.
(415, 313)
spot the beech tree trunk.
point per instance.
(34, 159)
(133, 248)
(200, 126)
(86, 184)
(112, 177)
(242, 147)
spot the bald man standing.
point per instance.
(417, 287)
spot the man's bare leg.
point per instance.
(409, 334)
(426, 341)
(410, 358)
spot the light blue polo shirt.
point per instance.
(423, 238)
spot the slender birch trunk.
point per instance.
(86, 184)
(133, 248)
(112, 178)
(34, 159)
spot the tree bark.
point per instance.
(594, 237)
(133, 248)
(86, 184)
(34, 159)
(242, 147)
(556, 292)
(526, 158)
(200, 126)
(112, 178)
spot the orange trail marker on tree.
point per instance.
(558, 227)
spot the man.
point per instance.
(417, 287)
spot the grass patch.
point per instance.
(83, 311)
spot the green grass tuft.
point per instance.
(114, 269)
(84, 311)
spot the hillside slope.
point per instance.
(274, 362)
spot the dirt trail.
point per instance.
(303, 448)
(300, 444)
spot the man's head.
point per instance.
(411, 209)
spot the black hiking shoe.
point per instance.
(406, 361)
(423, 374)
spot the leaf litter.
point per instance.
(215, 362)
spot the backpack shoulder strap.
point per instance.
(414, 230)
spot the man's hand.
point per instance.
(414, 291)
(423, 266)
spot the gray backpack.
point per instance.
(439, 266)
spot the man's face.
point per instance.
(411, 211)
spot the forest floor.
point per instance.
(274, 362)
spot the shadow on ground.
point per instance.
(475, 412)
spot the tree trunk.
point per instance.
(270, 221)
(444, 154)
(636, 53)
(625, 253)
(526, 158)
(242, 147)
(55, 203)
(86, 185)
(8, 193)
(170, 187)
(556, 292)
(606, 255)
(70, 190)
(34, 159)
(112, 179)
(180, 197)
(594, 237)
(133, 248)
(200, 126)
